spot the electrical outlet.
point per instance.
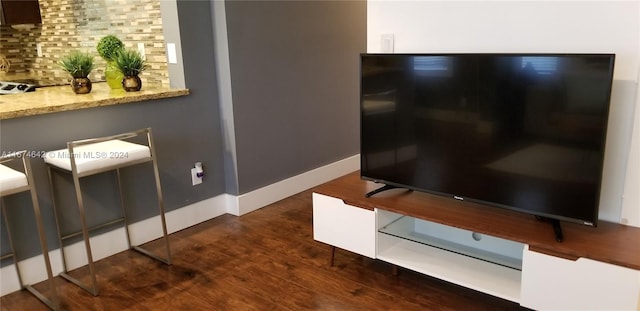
(195, 180)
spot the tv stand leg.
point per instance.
(394, 270)
(383, 188)
(557, 228)
(332, 255)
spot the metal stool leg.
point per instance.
(93, 288)
(55, 213)
(13, 252)
(52, 303)
(160, 198)
(124, 210)
(165, 236)
(87, 244)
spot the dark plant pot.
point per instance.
(81, 85)
(131, 83)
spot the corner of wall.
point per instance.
(259, 198)
(169, 13)
(223, 67)
(630, 214)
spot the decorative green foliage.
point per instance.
(77, 64)
(109, 46)
(130, 62)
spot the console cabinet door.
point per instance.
(553, 283)
(344, 226)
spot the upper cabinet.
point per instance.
(14, 12)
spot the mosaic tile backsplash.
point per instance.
(69, 25)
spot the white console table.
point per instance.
(496, 251)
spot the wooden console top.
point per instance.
(609, 242)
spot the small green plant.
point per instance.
(109, 46)
(130, 62)
(77, 64)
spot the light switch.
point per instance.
(141, 49)
(386, 43)
(171, 53)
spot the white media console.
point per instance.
(499, 252)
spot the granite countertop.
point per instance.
(62, 98)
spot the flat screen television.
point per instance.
(520, 131)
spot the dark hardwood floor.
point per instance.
(265, 260)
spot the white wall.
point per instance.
(631, 201)
(543, 26)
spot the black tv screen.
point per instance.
(520, 131)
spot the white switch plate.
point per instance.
(141, 49)
(39, 49)
(386, 43)
(171, 53)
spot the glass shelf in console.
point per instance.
(479, 246)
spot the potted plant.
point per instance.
(108, 47)
(79, 66)
(130, 63)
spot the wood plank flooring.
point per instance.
(265, 260)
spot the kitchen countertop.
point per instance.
(61, 98)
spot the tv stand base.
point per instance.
(381, 189)
(576, 274)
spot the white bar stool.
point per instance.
(97, 155)
(12, 182)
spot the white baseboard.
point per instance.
(264, 196)
(114, 241)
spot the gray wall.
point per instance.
(294, 75)
(186, 130)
